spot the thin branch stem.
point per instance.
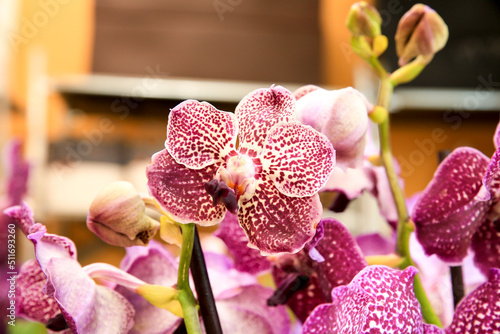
(405, 226)
(186, 297)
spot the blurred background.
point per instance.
(87, 84)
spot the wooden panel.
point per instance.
(274, 41)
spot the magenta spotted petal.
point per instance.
(245, 259)
(491, 180)
(378, 300)
(32, 303)
(259, 111)
(275, 223)
(447, 215)
(486, 245)
(479, 312)
(299, 168)
(343, 257)
(342, 262)
(199, 135)
(345, 315)
(181, 191)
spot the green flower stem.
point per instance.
(405, 227)
(186, 297)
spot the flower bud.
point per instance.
(364, 19)
(117, 216)
(341, 115)
(421, 31)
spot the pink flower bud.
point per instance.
(364, 19)
(341, 115)
(117, 216)
(421, 31)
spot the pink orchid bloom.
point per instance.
(270, 180)
(460, 208)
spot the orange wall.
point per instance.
(63, 32)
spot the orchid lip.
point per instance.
(239, 175)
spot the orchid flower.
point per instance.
(240, 300)
(304, 279)
(459, 209)
(270, 181)
(57, 291)
(343, 117)
(381, 300)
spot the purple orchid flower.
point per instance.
(271, 180)
(57, 291)
(342, 116)
(304, 279)
(240, 300)
(459, 209)
(381, 300)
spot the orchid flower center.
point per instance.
(239, 175)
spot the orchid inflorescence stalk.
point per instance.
(257, 174)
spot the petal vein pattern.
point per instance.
(298, 158)
(198, 135)
(259, 111)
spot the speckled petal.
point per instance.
(276, 223)
(345, 315)
(154, 265)
(248, 313)
(447, 215)
(486, 246)
(199, 135)
(479, 312)
(396, 309)
(298, 158)
(181, 191)
(31, 302)
(245, 258)
(259, 111)
(491, 180)
(343, 257)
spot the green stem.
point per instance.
(405, 227)
(186, 297)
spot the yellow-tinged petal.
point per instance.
(169, 231)
(161, 296)
(390, 260)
